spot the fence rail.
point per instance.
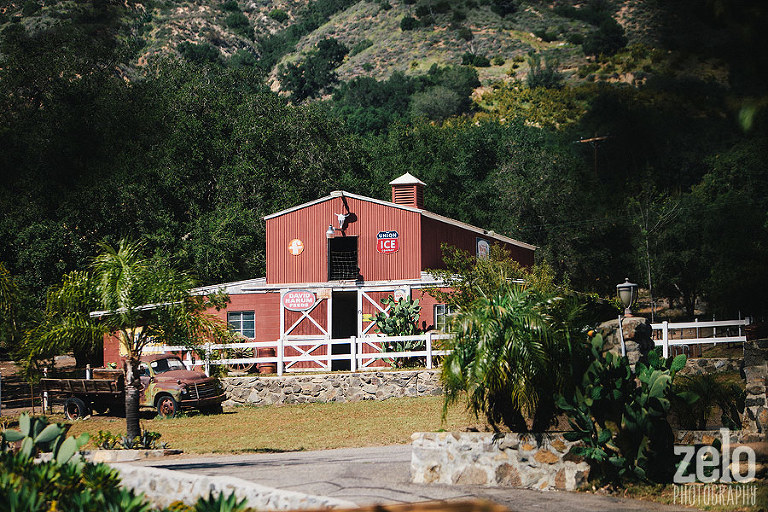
(664, 333)
(218, 353)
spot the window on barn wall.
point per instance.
(243, 322)
(342, 258)
(442, 312)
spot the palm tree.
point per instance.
(8, 300)
(149, 301)
(509, 355)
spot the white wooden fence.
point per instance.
(667, 334)
(221, 354)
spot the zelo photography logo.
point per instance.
(709, 476)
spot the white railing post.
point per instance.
(621, 338)
(429, 350)
(280, 355)
(353, 353)
(665, 338)
(88, 372)
(207, 365)
(45, 393)
(330, 354)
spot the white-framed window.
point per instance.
(243, 322)
(442, 312)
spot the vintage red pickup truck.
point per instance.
(166, 385)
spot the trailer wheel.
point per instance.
(75, 408)
(167, 407)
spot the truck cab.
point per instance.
(168, 386)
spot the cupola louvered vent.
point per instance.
(408, 191)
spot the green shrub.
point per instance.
(31, 7)
(230, 5)
(367, 66)
(459, 16)
(240, 24)
(504, 7)
(709, 392)
(465, 33)
(360, 46)
(422, 11)
(606, 40)
(442, 7)
(548, 76)
(385, 5)
(199, 53)
(479, 61)
(498, 60)
(242, 59)
(409, 23)
(278, 15)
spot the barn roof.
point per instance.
(424, 213)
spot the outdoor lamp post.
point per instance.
(627, 293)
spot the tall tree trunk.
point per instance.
(132, 386)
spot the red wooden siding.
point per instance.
(434, 233)
(310, 224)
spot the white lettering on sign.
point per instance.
(298, 300)
(387, 242)
(296, 247)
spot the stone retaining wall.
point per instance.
(756, 372)
(704, 366)
(163, 487)
(335, 387)
(539, 461)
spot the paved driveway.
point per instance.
(379, 474)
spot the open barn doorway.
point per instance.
(344, 322)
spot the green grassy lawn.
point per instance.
(292, 427)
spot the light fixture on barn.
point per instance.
(330, 231)
(627, 293)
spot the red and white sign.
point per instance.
(387, 242)
(299, 300)
(296, 247)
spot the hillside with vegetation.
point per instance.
(623, 138)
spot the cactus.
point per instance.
(621, 416)
(37, 435)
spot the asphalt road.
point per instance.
(381, 474)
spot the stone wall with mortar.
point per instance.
(755, 419)
(540, 461)
(335, 387)
(711, 365)
(163, 487)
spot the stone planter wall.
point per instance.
(538, 461)
(337, 387)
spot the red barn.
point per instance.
(331, 261)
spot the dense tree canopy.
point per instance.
(190, 155)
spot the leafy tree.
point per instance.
(316, 74)
(548, 76)
(199, 53)
(437, 103)
(606, 40)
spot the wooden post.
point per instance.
(353, 353)
(665, 338)
(429, 350)
(280, 354)
(88, 372)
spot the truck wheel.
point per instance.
(167, 407)
(75, 409)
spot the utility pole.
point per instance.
(595, 141)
